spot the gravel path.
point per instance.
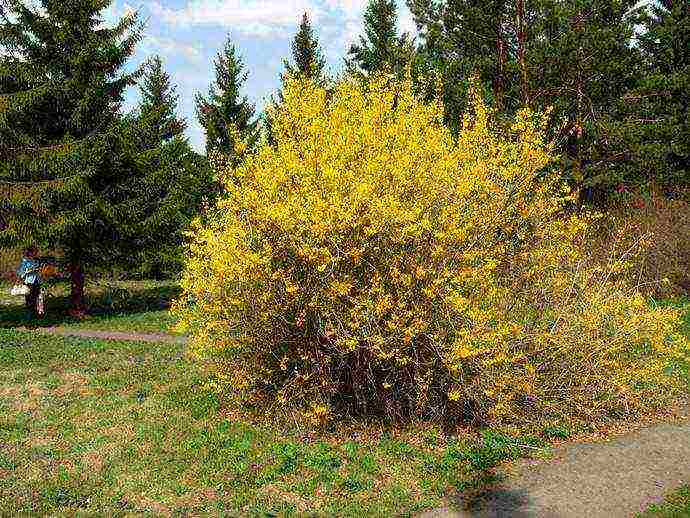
(613, 479)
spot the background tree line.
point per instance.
(615, 75)
(111, 188)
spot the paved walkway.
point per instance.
(615, 479)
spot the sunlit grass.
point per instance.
(112, 427)
(127, 306)
(676, 505)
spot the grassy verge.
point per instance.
(676, 505)
(115, 428)
(133, 306)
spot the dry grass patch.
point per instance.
(277, 493)
(23, 398)
(73, 383)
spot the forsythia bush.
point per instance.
(369, 263)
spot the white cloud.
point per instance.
(112, 14)
(249, 17)
(171, 47)
(345, 25)
(352, 9)
(406, 21)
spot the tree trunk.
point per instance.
(521, 51)
(77, 296)
(499, 83)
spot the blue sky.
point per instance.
(187, 34)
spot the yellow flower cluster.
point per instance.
(368, 261)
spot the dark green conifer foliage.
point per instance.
(656, 131)
(575, 56)
(171, 171)
(307, 58)
(61, 89)
(380, 48)
(158, 106)
(582, 61)
(225, 107)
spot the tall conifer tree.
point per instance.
(574, 56)
(307, 58)
(657, 126)
(62, 84)
(225, 108)
(159, 99)
(381, 47)
(172, 171)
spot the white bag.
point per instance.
(19, 289)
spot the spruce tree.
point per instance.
(307, 58)
(657, 126)
(225, 110)
(307, 61)
(576, 57)
(582, 61)
(171, 170)
(381, 48)
(62, 84)
(158, 105)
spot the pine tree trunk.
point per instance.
(579, 88)
(501, 51)
(521, 50)
(77, 295)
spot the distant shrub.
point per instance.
(368, 263)
(651, 231)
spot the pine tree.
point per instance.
(582, 61)
(159, 100)
(62, 82)
(380, 48)
(574, 56)
(307, 61)
(306, 54)
(224, 110)
(657, 126)
(171, 170)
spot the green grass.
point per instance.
(676, 505)
(133, 306)
(682, 303)
(111, 428)
(122, 428)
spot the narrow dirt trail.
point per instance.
(614, 479)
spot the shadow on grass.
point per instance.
(103, 303)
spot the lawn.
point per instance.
(133, 306)
(676, 505)
(117, 427)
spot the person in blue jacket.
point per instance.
(29, 273)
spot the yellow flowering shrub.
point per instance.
(368, 263)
